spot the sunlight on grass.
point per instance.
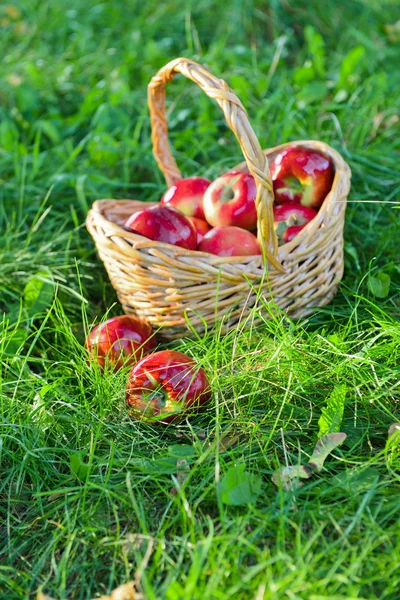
(86, 493)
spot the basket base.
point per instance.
(254, 311)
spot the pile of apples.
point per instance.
(162, 386)
(220, 217)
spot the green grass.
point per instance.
(73, 128)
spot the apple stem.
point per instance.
(293, 219)
(227, 195)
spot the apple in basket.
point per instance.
(230, 241)
(187, 196)
(166, 386)
(291, 232)
(120, 341)
(289, 219)
(301, 176)
(230, 201)
(202, 227)
(163, 224)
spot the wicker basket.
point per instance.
(177, 290)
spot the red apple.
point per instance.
(230, 201)
(202, 227)
(120, 341)
(166, 386)
(287, 216)
(301, 175)
(187, 196)
(291, 232)
(164, 224)
(230, 241)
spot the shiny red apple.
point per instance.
(120, 341)
(291, 232)
(187, 196)
(202, 227)
(230, 201)
(301, 176)
(286, 216)
(230, 241)
(164, 224)
(166, 386)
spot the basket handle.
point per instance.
(237, 120)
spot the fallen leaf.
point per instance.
(127, 591)
(379, 284)
(39, 293)
(239, 487)
(323, 448)
(124, 592)
(227, 442)
(286, 476)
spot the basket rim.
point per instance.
(342, 177)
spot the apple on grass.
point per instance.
(230, 201)
(187, 196)
(301, 176)
(289, 219)
(120, 341)
(166, 386)
(163, 224)
(230, 241)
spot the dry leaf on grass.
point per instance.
(288, 476)
(325, 445)
(123, 592)
(228, 441)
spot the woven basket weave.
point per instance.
(171, 287)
